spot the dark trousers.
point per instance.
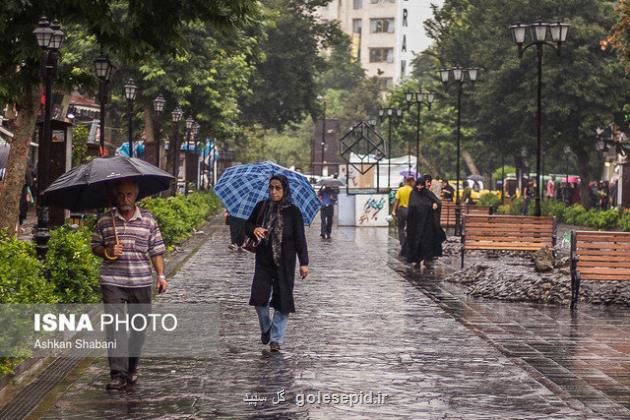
(237, 234)
(327, 213)
(125, 357)
(401, 220)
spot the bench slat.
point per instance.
(602, 257)
(604, 277)
(618, 264)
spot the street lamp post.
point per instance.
(389, 113)
(158, 107)
(420, 99)
(176, 117)
(458, 74)
(49, 39)
(538, 32)
(104, 70)
(189, 125)
(130, 94)
(195, 134)
(323, 142)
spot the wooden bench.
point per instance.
(504, 232)
(598, 256)
(447, 214)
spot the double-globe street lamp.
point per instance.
(419, 98)
(176, 117)
(389, 113)
(104, 70)
(49, 39)
(158, 107)
(459, 75)
(130, 90)
(538, 33)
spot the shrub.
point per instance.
(572, 213)
(72, 267)
(553, 208)
(624, 222)
(489, 199)
(21, 274)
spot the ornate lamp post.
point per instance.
(130, 89)
(158, 107)
(49, 39)
(419, 98)
(176, 117)
(195, 135)
(189, 125)
(538, 33)
(104, 70)
(458, 74)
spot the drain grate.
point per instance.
(29, 397)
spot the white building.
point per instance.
(386, 34)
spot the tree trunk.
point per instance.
(149, 137)
(584, 170)
(427, 164)
(470, 163)
(16, 164)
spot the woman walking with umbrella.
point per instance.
(279, 227)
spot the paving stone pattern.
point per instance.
(362, 325)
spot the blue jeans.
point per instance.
(278, 324)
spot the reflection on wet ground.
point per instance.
(366, 323)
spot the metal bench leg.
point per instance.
(575, 280)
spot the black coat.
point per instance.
(424, 233)
(266, 273)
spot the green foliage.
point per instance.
(21, 274)
(72, 267)
(508, 170)
(624, 222)
(79, 144)
(553, 208)
(178, 216)
(573, 213)
(489, 199)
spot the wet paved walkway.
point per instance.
(364, 323)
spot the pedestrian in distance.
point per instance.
(237, 235)
(424, 233)
(278, 226)
(400, 209)
(447, 191)
(328, 197)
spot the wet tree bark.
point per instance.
(16, 164)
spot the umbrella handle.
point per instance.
(107, 256)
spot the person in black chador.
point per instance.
(424, 233)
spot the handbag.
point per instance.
(250, 244)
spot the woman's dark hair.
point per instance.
(285, 186)
(421, 181)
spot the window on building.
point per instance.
(382, 25)
(386, 82)
(356, 26)
(357, 4)
(381, 55)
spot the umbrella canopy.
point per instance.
(409, 174)
(330, 182)
(89, 186)
(241, 187)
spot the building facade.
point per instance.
(386, 34)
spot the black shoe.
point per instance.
(266, 336)
(328, 236)
(323, 236)
(273, 346)
(117, 383)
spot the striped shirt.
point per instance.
(141, 239)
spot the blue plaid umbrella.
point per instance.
(241, 187)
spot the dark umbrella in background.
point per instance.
(89, 186)
(330, 182)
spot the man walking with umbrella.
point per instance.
(127, 239)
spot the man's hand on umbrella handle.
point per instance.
(116, 250)
(303, 271)
(260, 233)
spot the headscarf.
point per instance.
(275, 221)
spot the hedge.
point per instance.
(70, 272)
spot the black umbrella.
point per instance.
(328, 182)
(89, 186)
